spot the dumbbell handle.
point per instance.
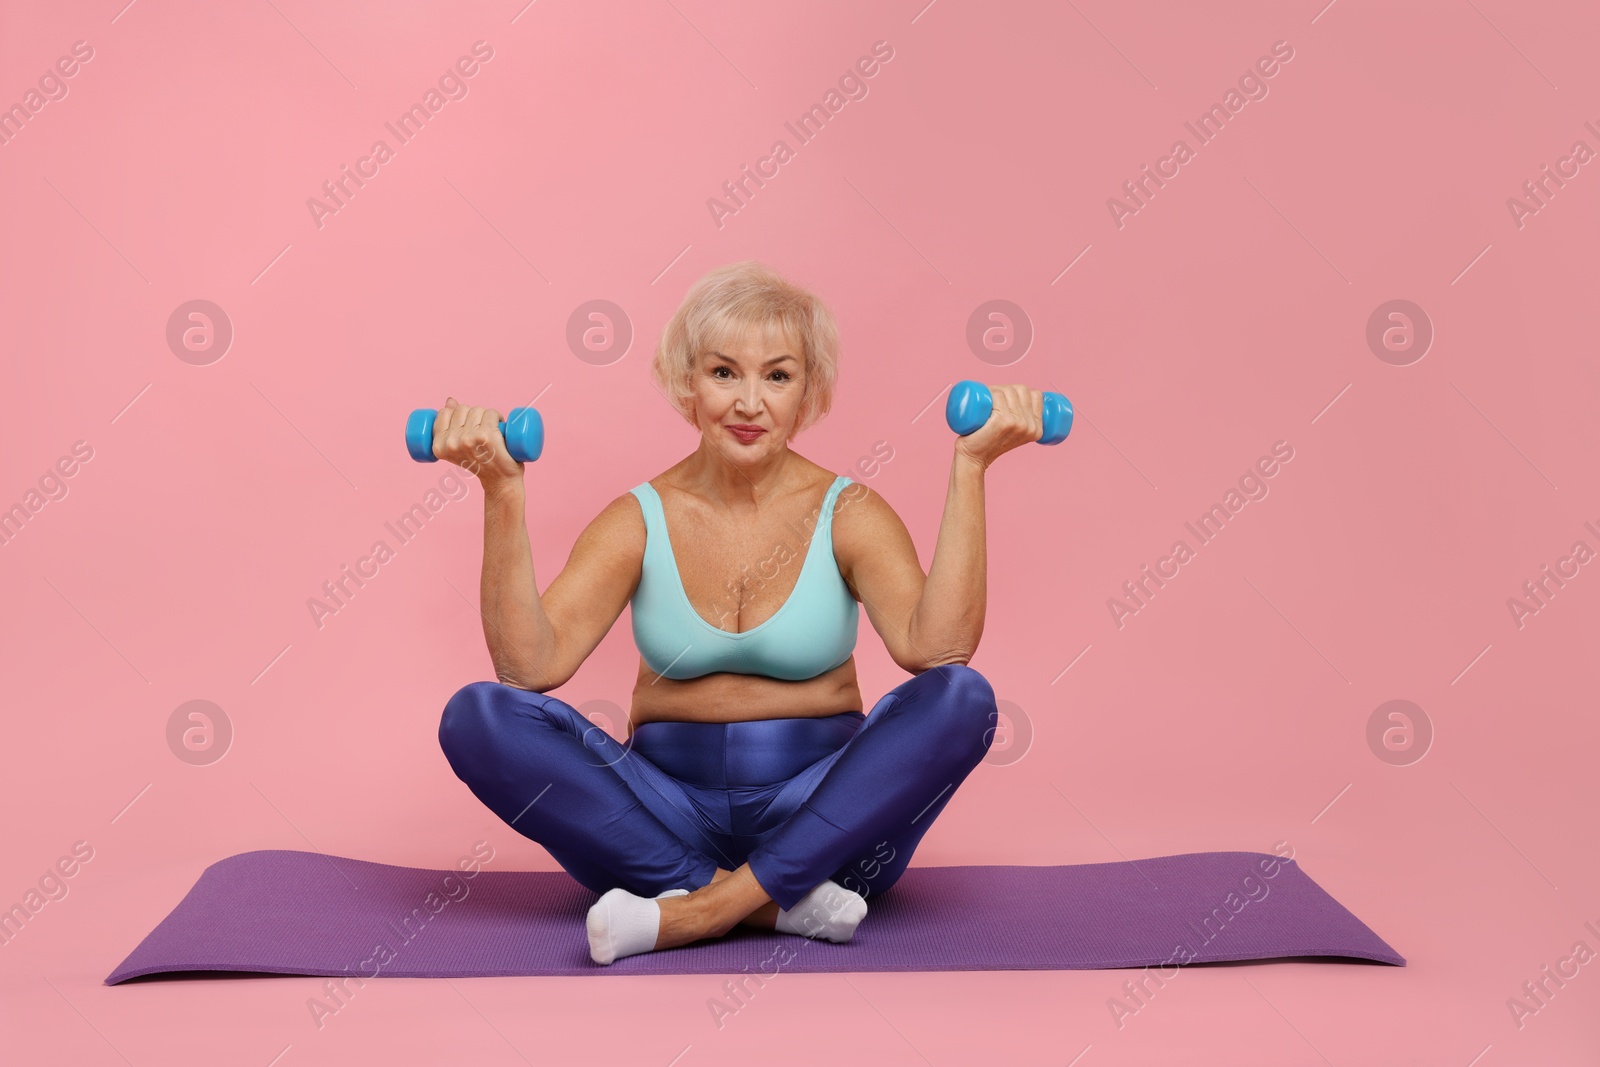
(523, 431)
(971, 403)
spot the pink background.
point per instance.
(1228, 314)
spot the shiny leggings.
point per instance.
(844, 796)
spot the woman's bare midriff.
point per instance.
(727, 697)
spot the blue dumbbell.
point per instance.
(523, 431)
(971, 404)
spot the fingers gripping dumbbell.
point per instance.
(970, 405)
(523, 431)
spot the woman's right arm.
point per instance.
(521, 640)
(538, 642)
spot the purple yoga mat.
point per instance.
(287, 912)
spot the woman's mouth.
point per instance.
(746, 434)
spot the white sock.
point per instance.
(829, 911)
(621, 924)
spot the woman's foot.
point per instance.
(829, 911)
(622, 924)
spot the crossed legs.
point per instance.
(615, 821)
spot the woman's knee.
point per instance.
(468, 718)
(965, 702)
(479, 712)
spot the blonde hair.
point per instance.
(722, 306)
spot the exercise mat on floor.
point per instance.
(287, 912)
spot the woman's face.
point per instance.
(756, 384)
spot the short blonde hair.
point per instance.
(722, 306)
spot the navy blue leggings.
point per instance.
(845, 796)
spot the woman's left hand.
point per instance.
(1018, 419)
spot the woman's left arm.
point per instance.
(934, 619)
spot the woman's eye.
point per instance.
(781, 375)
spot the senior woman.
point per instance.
(750, 788)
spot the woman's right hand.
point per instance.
(470, 438)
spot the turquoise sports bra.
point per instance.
(813, 631)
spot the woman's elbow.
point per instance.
(533, 680)
(924, 663)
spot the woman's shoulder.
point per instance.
(865, 527)
(621, 525)
(859, 507)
